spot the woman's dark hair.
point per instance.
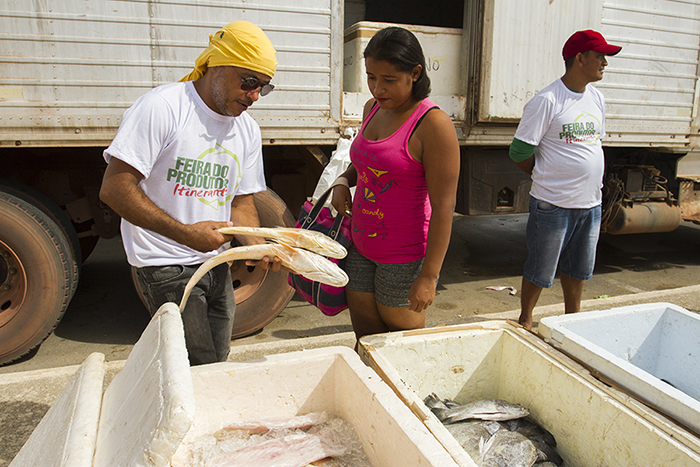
(400, 47)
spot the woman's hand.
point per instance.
(422, 294)
(342, 200)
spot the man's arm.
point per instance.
(245, 214)
(121, 192)
(527, 165)
(523, 154)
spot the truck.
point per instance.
(72, 67)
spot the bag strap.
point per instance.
(316, 210)
(335, 230)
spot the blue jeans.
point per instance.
(567, 237)
(208, 314)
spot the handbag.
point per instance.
(315, 216)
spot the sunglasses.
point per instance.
(252, 83)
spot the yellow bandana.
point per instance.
(241, 44)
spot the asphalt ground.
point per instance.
(106, 315)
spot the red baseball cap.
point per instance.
(583, 41)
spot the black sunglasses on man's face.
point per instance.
(252, 83)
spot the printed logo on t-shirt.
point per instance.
(203, 179)
(584, 129)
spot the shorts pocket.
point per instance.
(546, 208)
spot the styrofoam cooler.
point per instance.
(331, 380)
(140, 419)
(156, 407)
(442, 48)
(652, 350)
(594, 424)
(67, 433)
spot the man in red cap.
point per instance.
(558, 142)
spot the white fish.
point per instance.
(470, 434)
(290, 451)
(294, 237)
(486, 409)
(310, 265)
(299, 422)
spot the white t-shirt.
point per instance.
(193, 160)
(567, 128)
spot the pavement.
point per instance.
(106, 315)
(685, 297)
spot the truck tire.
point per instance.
(37, 276)
(51, 209)
(260, 295)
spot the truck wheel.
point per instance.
(51, 209)
(37, 276)
(260, 295)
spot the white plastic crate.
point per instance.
(157, 406)
(441, 46)
(140, 420)
(67, 433)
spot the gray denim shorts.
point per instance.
(390, 283)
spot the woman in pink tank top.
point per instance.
(405, 165)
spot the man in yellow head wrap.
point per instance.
(238, 52)
(186, 161)
(240, 44)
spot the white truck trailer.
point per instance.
(69, 69)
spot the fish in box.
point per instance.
(331, 380)
(593, 424)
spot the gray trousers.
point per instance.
(208, 314)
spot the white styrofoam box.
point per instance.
(442, 48)
(652, 350)
(66, 435)
(331, 379)
(149, 406)
(592, 423)
(354, 103)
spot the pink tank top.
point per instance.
(390, 210)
